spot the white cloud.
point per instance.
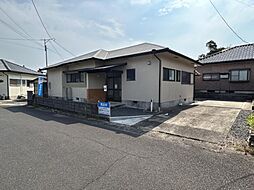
(111, 28)
(170, 5)
(140, 2)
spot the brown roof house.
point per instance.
(134, 75)
(228, 74)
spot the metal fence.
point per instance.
(59, 103)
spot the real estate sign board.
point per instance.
(104, 108)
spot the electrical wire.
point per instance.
(237, 35)
(18, 25)
(20, 39)
(22, 45)
(18, 32)
(45, 28)
(64, 48)
(37, 12)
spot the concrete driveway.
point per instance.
(208, 121)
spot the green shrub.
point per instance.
(250, 120)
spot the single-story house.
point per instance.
(227, 72)
(15, 80)
(134, 75)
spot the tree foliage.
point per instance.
(212, 47)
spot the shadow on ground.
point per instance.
(67, 119)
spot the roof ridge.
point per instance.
(98, 51)
(135, 46)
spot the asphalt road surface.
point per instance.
(44, 150)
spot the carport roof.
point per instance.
(237, 53)
(8, 66)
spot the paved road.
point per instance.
(42, 150)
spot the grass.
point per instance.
(250, 121)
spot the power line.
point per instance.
(37, 12)
(17, 24)
(48, 32)
(27, 46)
(227, 23)
(64, 48)
(18, 32)
(20, 39)
(13, 29)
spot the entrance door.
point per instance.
(114, 84)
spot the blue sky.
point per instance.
(82, 26)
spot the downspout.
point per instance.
(159, 94)
(7, 84)
(194, 84)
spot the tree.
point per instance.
(212, 47)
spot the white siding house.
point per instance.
(15, 80)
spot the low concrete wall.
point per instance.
(65, 105)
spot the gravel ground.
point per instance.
(240, 130)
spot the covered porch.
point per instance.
(102, 83)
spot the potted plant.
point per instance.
(250, 121)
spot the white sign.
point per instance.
(104, 108)
(105, 88)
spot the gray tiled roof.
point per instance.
(237, 53)
(104, 54)
(12, 67)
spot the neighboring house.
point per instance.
(229, 72)
(15, 80)
(134, 75)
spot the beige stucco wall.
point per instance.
(58, 84)
(96, 80)
(145, 87)
(172, 90)
(55, 82)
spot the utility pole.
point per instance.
(46, 49)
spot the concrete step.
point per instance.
(114, 105)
